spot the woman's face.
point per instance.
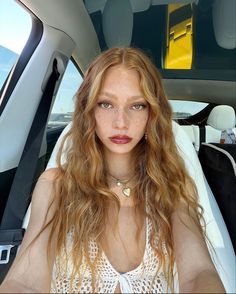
(121, 112)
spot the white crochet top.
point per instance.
(142, 279)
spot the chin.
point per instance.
(119, 149)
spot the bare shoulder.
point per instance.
(44, 202)
(43, 198)
(44, 186)
(49, 175)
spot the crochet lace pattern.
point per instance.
(143, 279)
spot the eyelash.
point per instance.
(143, 106)
(140, 106)
(101, 104)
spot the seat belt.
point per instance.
(11, 232)
(202, 138)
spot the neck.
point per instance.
(119, 165)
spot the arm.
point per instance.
(30, 271)
(196, 270)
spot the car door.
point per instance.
(21, 92)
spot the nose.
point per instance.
(120, 120)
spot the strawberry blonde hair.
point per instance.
(81, 187)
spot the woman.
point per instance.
(122, 210)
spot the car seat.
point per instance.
(218, 160)
(221, 118)
(221, 121)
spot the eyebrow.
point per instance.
(113, 96)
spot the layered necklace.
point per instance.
(125, 188)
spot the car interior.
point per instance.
(192, 43)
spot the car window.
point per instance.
(63, 106)
(184, 109)
(15, 24)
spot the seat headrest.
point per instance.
(117, 23)
(224, 24)
(140, 5)
(222, 117)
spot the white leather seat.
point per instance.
(52, 160)
(221, 117)
(193, 133)
(224, 256)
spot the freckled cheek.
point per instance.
(101, 120)
(140, 120)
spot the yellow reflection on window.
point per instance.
(179, 40)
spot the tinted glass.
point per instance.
(63, 106)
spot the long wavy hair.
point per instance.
(81, 186)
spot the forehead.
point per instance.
(121, 72)
(121, 78)
(122, 83)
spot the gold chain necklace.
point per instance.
(126, 190)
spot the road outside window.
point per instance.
(184, 109)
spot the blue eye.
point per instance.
(105, 105)
(139, 106)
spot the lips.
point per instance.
(119, 139)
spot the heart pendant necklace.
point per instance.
(126, 190)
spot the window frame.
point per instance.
(17, 70)
(61, 127)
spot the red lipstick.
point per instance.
(120, 139)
